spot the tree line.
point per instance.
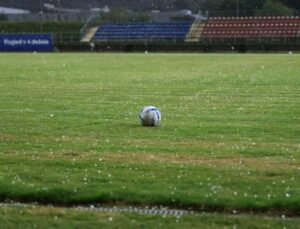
(250, 7)
(253, 6)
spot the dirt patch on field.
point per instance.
(4, 137)
(188, 159)
(179, 143)
(233, 161)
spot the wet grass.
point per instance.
(229, 139)
(32, 216)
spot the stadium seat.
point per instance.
(134, 31)
(257, 26)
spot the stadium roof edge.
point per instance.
(8, 10)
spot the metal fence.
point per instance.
(66, 38)
(247, 13)
(82, 17)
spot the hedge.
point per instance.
(38, 27)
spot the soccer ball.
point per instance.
(150, 116)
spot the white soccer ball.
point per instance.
(150, 116)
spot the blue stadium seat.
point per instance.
(143, 31)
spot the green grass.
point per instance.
(40, 217)
(229, 138)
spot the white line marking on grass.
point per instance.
(114, 209)
(139, 210)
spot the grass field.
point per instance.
(229, 140)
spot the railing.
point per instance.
(271, 40)
(88, 23)
(246, 13)
(66, 38)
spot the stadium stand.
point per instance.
(252, 27)
(215, 33)
(142, 31)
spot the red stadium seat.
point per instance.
(257, 26)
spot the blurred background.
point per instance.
(70, 21)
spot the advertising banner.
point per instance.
(26, 42)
